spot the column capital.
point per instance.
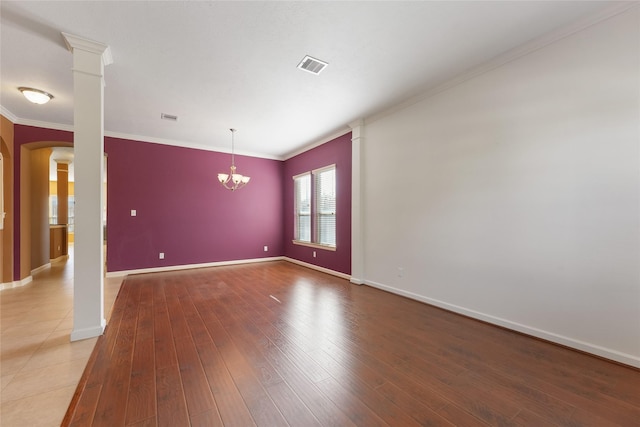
(62, 155)
(356, 123)
(356, 129)
(80, 43)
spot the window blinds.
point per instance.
(325, 191)
(302, 230)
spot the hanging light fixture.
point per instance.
(36, 96)
(233, 180)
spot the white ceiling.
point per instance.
(218, 65)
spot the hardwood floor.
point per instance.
(276, 344)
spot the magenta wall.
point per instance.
(183, 211)
(338, 152)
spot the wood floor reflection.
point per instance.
(275, 344)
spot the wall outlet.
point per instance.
(161, 255)
(266, 248)
(400, 271)
(133, 212)
(314, 254)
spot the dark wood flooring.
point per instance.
(276, 344)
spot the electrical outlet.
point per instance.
(161, 255)
(314, 254)
(400, 271)
(266, 248)
(133, 212)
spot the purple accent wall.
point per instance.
(338, 152)
(183, 211)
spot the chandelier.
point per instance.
(233, 180)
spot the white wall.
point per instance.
(514, 197)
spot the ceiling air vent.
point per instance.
(165, 116)
(312, 65)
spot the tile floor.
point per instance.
(39, 366)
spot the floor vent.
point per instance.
(312, 65)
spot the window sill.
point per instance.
(314, 245)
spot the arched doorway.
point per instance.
(6, 211)
(34, 205)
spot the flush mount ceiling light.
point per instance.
(233, 181)
(312, 65)
(36, 96)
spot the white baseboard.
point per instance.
(60, 258)
(316, 267)
(627, 359)
(41, 268)
(223, 263)
(85, 333)
(190, 266)
(17, 283)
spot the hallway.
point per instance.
(39, 366)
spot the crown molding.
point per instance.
(317, 143)
(356, 123)
(77, 42)
(509, 56)
(184, 144)
(41, 124)
(69, 128)
(8, 114)
(73, 42)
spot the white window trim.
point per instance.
(295, 219)
(322, 169)
(301, 175)
(312, 173)
(315, 212)
(314, 245)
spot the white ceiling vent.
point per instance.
(165, 116)
(312, 65)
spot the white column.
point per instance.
(357, 237)
(89, 59)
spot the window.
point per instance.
(53, 211)
(303, 207)
(326, 206)
(315, 208)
